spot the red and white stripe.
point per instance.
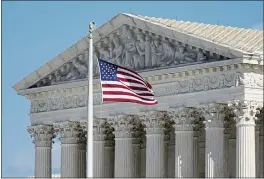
(131, 87)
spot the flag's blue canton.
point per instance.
(108, 71)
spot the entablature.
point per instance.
(127, 40)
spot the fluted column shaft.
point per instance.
(69, 132)
(69, 158)
(245, 151)
(245, 116)
(99, 152)
(171, 155)
(261, 156)
(136, 158)
(43, 135)
(232, 159)
(143, 158)
(82, 160)
(196, 155)
(123, 156)
(202, 154)
(257, 132)
(155, 162)
(155, 146)
(109, 159)
(184, 151)
(226, 143)
(214, 149)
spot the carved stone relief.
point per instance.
(196, 84)
(132, 48)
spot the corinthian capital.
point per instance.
(214, 114)
(154, 121)
(42, 134)
(183, 118)
(245, 112)
(69, 131)
(123, 126)
(99, 125)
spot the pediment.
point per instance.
(130, 41)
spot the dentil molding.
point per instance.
(189, 85)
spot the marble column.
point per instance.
(42, 135)
(257, 132)
(196, 154)
(183, 128)
(82, 150)
(155, 161)
(82, 156)
(261, 151)
(202, 154)
(214, 144)
(109, 159)
(136, 158)
(99, 147)
(226, 148)
(261, 143)
(232, 152)
(166, 142)
(184, 150)
(143, 157)
(123, 147)
(171, 155)
(69, 132)
(245, 112)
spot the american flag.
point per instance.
(120, 84)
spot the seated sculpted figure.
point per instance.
(168, 53)
(72, 72)
(104, 53)
(200, 56)
(182, 56)
(130, 50)
(82, 69)
(157, 53)
(140, 58)
(116, 50)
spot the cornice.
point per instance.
(161, 77)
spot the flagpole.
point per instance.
(90, 105)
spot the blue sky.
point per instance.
(35, 32)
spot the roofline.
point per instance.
(105, 29)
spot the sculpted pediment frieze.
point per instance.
(135, 49)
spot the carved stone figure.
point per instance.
(130, 49)
(182, 56)
(157, 53)
(200, 56)
(116, 51)
(140, 46)
(103, 52)
(168, 53)
(82, 69)
(73, 72)
(51, 78)
(148, 63)
(57, 77)
(78, 70)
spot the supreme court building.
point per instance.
(208, 80)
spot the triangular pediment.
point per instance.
(143, 43)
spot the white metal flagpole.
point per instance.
(90, 105)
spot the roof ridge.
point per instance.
(148, 18)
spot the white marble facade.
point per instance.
(209, 120)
